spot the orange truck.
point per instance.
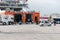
(8, 16)
(27, 17)
(19, 17)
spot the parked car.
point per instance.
(45, 23)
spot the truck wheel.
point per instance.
(20, 23)
(4, 23)
(37, 23)
(26, 22)
(49, 25)
(10, 23)
(31, 22)
(42, 25)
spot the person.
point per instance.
(54, 23)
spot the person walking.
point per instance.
(54, 23)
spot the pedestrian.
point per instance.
(54, 23)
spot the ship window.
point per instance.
(4, 5)
(17, 9)
(2, 8)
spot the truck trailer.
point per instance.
(27, 17)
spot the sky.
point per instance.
(45, 6)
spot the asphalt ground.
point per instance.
(29, 32)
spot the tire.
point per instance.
(4, 23)
(26, 22)
(10, 23)
(49, 25)
(36, 23)
(42, 25)
(20, 23)
(31, 22)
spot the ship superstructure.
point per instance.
(15, 5)
(13, 12)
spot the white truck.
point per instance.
(6, 19)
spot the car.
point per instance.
(45, 23)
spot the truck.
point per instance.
(9, 18)
(6, 19)
(27, 17)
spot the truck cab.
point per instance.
(6, 19)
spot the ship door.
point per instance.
(17, 17)
(36, 20)
(28, 17)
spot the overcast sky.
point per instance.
(45, 6)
